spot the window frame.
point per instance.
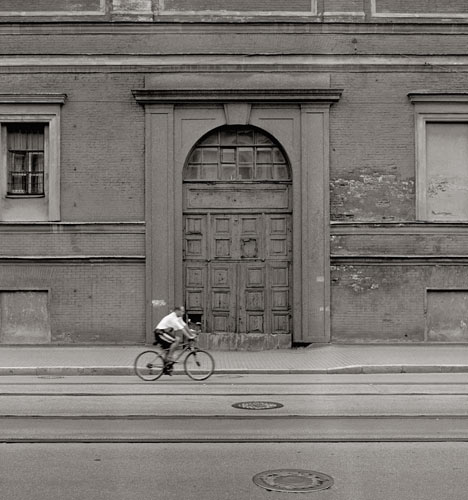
(38, 108)
(432, 107)
(220, 146)
(29, 173)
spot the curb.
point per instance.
(128, 370)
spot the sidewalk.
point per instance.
(315, 359)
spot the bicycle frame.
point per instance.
(185, 347)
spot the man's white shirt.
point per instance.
(171, 321)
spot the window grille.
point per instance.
(25, 159)
(237, 154)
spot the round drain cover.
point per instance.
(293, 480)
(257, 405)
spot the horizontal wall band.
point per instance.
(295, 26)
(392, 230)
(208, 16)
(216, 62)
(335, 260)
(412, 260)
(71, 259)
(336, 228)
(60, 70)
(72, 228)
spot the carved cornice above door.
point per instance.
(240, 86)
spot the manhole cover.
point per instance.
(257, 405)
(293, 480)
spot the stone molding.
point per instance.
(12, 98)
(234, 95)
(438, 97)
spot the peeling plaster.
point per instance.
(354, 278)
(372, 197)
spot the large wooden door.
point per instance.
(238, 234)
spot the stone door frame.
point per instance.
(179, 110)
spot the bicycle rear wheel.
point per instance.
(199, 365)
(149, 365)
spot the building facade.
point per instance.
(292, 172)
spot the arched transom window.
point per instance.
(237, 154)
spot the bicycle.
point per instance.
(198, 364)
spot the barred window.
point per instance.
(237, 154)
(25, 159)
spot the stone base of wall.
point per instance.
(243, 341)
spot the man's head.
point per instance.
(179, 310)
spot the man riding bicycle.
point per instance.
(171, 330)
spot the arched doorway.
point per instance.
(237, 232)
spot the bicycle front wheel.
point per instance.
(199, 365)
(149, 365)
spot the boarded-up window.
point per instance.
(24, 317)
(447, 315)
(446, 171)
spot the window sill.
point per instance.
(21, 196)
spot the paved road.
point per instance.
(383, 437)
(314, 408)
(217, 471)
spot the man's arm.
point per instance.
(188, 333)
(185, 329)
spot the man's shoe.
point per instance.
(168, 369)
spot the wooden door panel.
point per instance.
(279, 236)
(195, 237)
(255, 323)
(249, 247)
(280, 299)
(223, 300)
(254, 276)
(253, 197)
(279, 274)
(252, 297)
(281, 323)
(195, 287)
(194, 300)
(195, 276)
(222, 248)
(221, 237)
(221, 322)
(254, 300)
(250, 236)
(279, 285)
